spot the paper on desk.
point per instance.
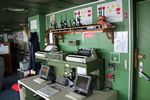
(81, 70)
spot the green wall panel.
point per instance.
(40, 28)
(102, 44)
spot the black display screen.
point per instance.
(44, 72)
(82, 82)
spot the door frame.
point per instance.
(131, 48)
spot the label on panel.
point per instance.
(85, 15)
(10, 36)
(20, 35)
(112, 10)
(88, 35)
(121, 42)
(52, 19)
(33, 24)
(81, 70)
(5, 37)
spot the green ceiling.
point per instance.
(12, 20)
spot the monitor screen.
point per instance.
(44, 72)
(82, 83)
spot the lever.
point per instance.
(144, 75)
(141, 73)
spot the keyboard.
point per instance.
(47, 91)
(39, 80)
(75, 96)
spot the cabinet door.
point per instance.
(26, 94)
(143, 40)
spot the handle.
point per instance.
(141, 73)
(144, 75)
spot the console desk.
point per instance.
(28, 91)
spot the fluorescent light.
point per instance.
(16, 9)
(13, 9)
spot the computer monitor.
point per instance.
(82, 84)
(44, 71)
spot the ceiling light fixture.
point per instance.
(23, 24)
(20, 10)
(6, 29)
(16, 9)
(39, 1)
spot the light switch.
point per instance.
(114, 57)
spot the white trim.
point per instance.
(75, 7)
(46, 22)
(143, 1)
(130, 78)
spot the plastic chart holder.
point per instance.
(48, 91)
(39, 80)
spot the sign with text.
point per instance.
(85, 15)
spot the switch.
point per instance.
(114, 57)
(113, 77)
(110, 77)
(111, 66)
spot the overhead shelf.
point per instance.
(87, 28)
(76, 29)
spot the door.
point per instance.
(143, 44)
